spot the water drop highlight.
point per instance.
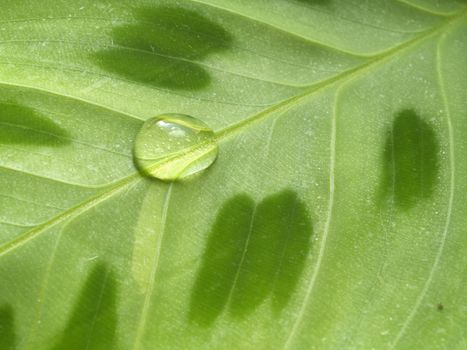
(173, 146)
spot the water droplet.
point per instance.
(173, 146)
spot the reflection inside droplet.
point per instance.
(173, 146)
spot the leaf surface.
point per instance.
(333, 218)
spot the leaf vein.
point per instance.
(445, 231)
(327, 225)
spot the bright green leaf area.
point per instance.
(333, 218)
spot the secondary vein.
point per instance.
(332, 164)
(447, 223)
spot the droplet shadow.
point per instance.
(23, 125)
(410, 161)
(163, 49)
(93, 321)
(254, 253)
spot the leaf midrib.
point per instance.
(231, 130)
(340, 78)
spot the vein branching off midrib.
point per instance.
(340, 78)
(451, 193)
(151, 53)
(298, 320)
(327, 225)
(233, 129)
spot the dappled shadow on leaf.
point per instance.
(7, 330)
(410, 162)
(221, 259)
(23, 125)
(93, 321)
(163, 48)
(254, 252)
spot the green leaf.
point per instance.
(333, 218)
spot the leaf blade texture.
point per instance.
(334, 216)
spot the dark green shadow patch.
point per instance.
(221, 260)
(23, 125)
(253, 253)
(7, 328)
(294, 231)
(93, 321)
(163, 48)
(275, 256)
(411, 164)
